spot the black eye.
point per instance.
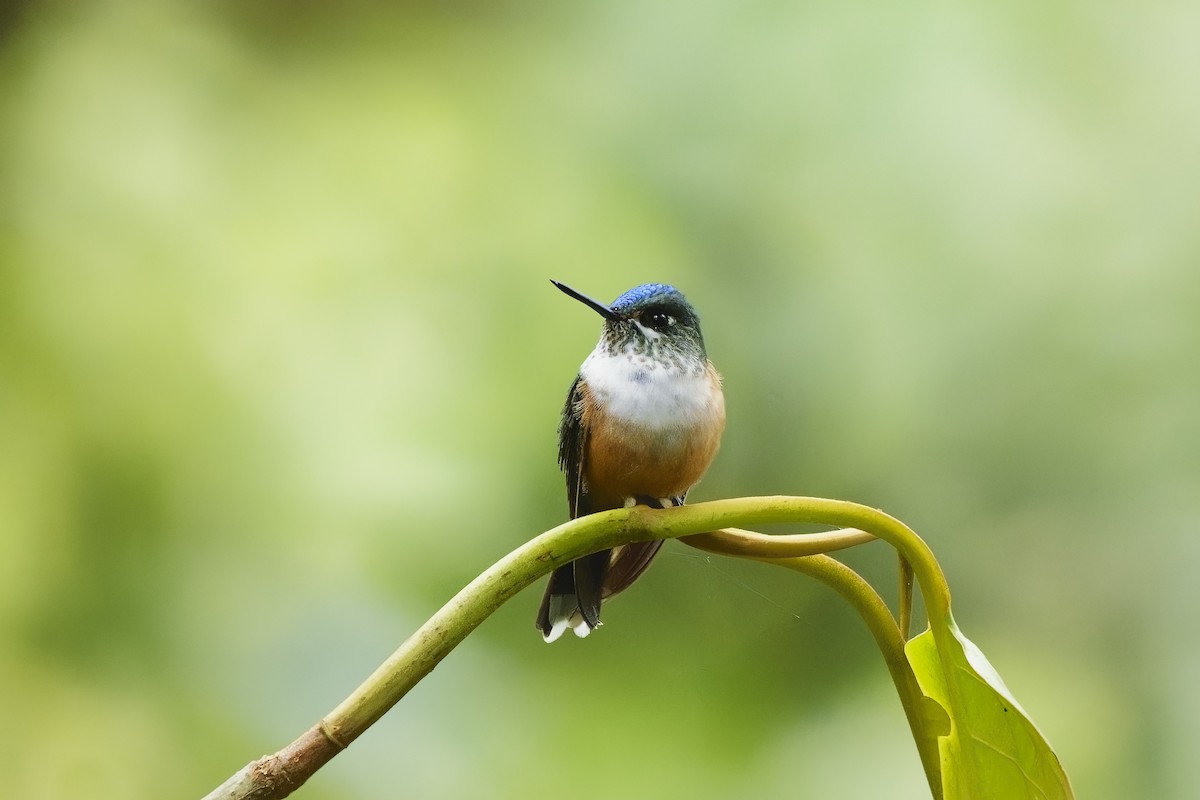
(657, 319)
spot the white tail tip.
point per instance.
(556, 630)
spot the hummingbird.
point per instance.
(642, 422)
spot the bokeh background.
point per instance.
(280, 370)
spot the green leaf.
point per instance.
(992, 748)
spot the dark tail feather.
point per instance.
(628, 564)
(589, 580)
(572, 597)
(559, 596)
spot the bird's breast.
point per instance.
(653, 428)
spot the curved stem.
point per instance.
(890, 640)
(275, 776)
(452, 623)
(878, 618)
(751, 544)
(746, 511)
(906, 597)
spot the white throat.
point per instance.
(649, 393)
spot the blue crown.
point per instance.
(638, 295)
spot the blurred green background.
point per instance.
(280, 371)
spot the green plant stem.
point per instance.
(417, 656)
(750, 511)
(870, 606)
(890, 640)
(275, 776)
(751, 544)
(906, 597)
